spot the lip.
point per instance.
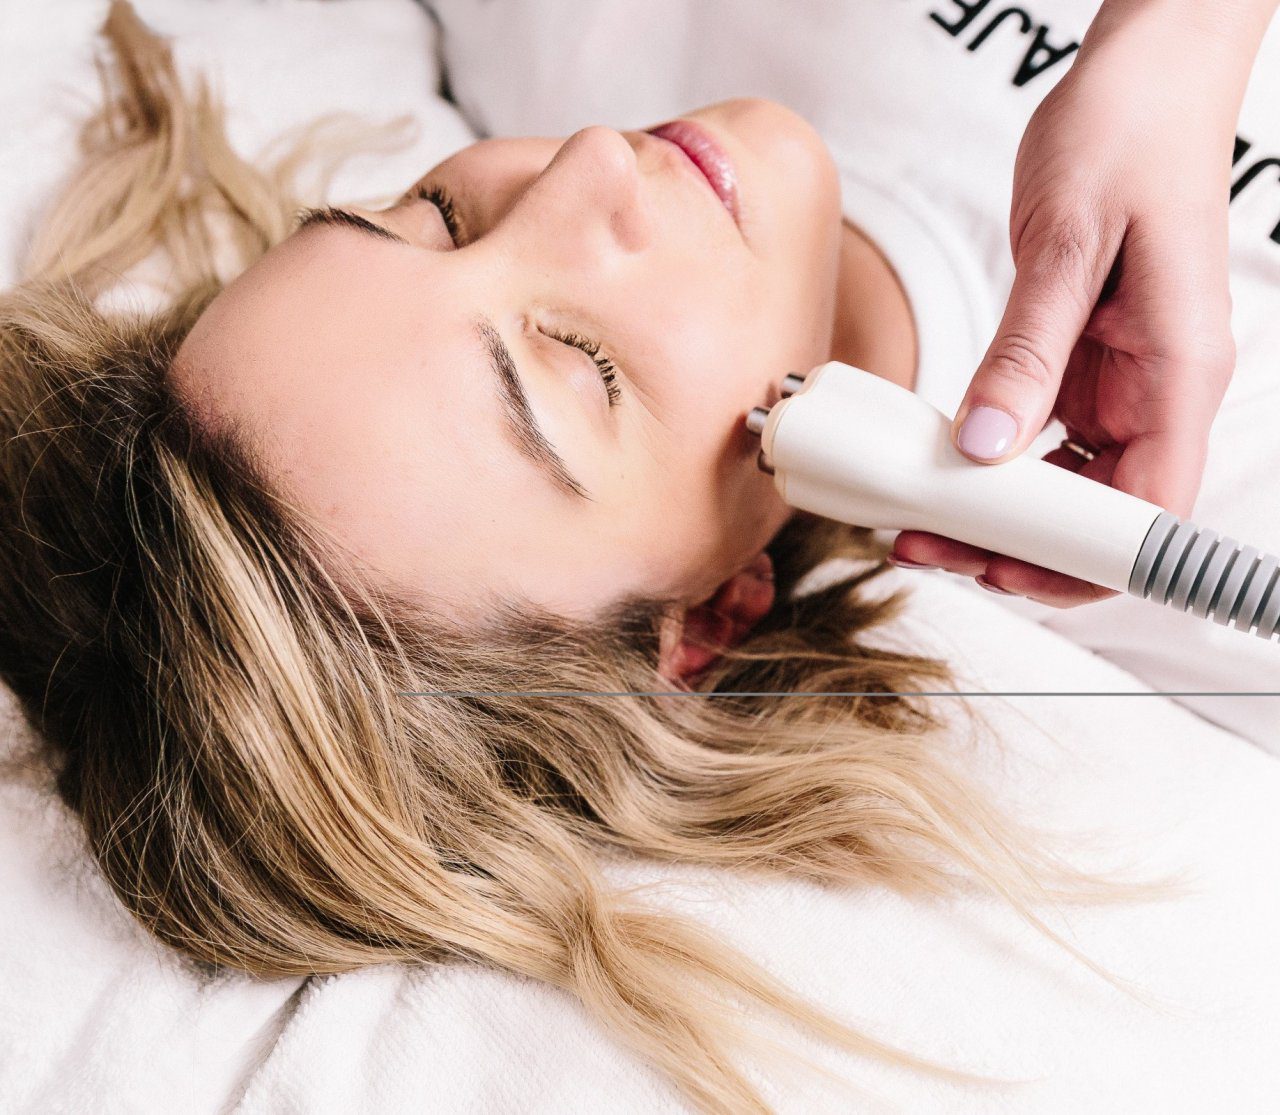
(707, 156)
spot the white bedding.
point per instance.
(101, 1019)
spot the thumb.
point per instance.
(1016, 386)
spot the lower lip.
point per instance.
(707, 156)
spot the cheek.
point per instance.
(804, 292)
(802, 277)
(774, 319)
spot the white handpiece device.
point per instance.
(852, 446)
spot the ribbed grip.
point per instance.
(1194, 570)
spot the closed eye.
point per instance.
(440, 198)
(607, 368)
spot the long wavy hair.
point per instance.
(227, 698)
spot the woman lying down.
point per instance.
(303, 561)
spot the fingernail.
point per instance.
(903, 563)
(993, 588)
(987, 432)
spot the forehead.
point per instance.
(320, 302)
(356, 370)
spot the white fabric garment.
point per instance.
(100, 1018)
(925, 124)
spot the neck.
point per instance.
(874, 329)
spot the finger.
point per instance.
(1013, 576)
(1045, 585)
(1165, 468)
(1058, 281)
(921, 547)
(1174, 317)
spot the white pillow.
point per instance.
(277, 63)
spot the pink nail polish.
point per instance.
(987, 432)
(903, 563)
(993, 588)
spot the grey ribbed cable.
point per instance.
(1194, 570)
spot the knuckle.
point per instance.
(1017, 360)
(1061, 247)
(1070, 251)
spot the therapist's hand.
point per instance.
(1118, 322)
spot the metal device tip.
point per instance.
(791, 384)
(756, 419)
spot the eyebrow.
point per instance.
(332, 215)
(526, 433)
(528, 436)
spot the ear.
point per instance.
(692, 641)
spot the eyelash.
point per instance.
(437, 196)
(608, 370)
(440, 198)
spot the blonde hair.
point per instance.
(229, 701)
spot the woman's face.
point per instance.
(432, 404)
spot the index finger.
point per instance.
(1165, 467)
(1044, 585)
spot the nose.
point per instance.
(592, 188)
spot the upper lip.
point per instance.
(706, 155)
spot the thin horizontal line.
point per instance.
(786, 693)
